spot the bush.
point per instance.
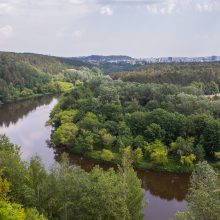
(107, 155)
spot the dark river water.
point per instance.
(24, 123)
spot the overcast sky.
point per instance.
(139, 28)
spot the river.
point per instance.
(24, 123)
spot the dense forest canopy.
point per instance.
(29, 192)
(26, 75)
(171, 127)
(203, 75)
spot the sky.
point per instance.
(138, 28)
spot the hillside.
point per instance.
(201, 74)
(25, 75)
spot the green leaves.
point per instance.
(65, 134)
(107, 155)
(204, 196)
(157, 152)
(67, 192)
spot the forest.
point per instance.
(166, 126)
(26, 75)
(30, 192)
(202, 75)
(162, 117)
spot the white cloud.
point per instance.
(164, 7)
(206, 5)
(77, 34)
(76, 1)
(6, 31)
(170, 6)
(5, 8)
(106, 10)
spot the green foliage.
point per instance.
(133, 193)
(138, 155)
(107, 155)
(62, 86)
(65, 134)
(4, 189)
(183, 146)
(157, 152)
(10, 211)
(33, 214)
(183, 74)
(154, 132)
(26, 92)
(15, 172)
(199, 153)
(188, 160)
(217, 155)
(26, 75)
(13, 211)
(68, 192)
(112, 114)
(203, 198)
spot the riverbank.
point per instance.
(24, 123)
(28, 97)
(169, 167)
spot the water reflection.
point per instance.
(11, 113)
(169, 187)
(164, 192)
(24, 123)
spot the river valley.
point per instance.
(24, 123)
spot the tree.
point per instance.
(10, 211)
(211, 137)
(138, 155)
(188, 160)
(182, 146)
(15, 172)
(4, 189)
(107, 155)
(199, 152)
(157, 152)
(154, 132)
(26, 92)
(89, 122)
(204, 196)
(65, 134)
(211, 88)
(133, 193)
(33, 214)
(37, 177)
(107, 138)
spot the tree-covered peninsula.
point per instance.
(166, 125)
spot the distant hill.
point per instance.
(103, 59)
(114, 63)
(176, 73)
(110, 64)
(27, 74)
